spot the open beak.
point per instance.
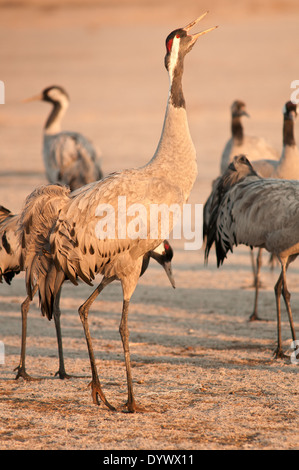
(168, 269)
(38, 97)
(190, 25)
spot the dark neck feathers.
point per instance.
(237, 129)
(57, 107)
(176, 90)
(288, 132)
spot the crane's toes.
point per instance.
(97, 392)
(133, 408)
(254, 317)
(63, 375)
(21, 372)
(279, 354)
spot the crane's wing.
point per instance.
(115, 207)
(40, 212)
(260, 213)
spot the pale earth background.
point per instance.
(206, 376)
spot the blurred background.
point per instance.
(109, 56)
(206, 373)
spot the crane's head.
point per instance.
(242, 166)
(164, 254)
(179, 43)
(52, 94)
(289, 111)
(238, 109)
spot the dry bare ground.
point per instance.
(206, 376)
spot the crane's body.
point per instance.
(69, 157)
(261, 213)
(75, 249)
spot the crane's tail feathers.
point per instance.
(48, 288)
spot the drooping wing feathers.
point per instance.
(208, 207)
(237, 170)
(40, 212)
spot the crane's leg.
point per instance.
(254, 316)
(96, 389)
(256, 266)
(129, 285)
(253, 265)
(124, 333)
(287, 296)
(57, 314)
(278, 289)
(21, 369)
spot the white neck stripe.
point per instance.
(174, 55)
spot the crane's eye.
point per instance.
(169, 44)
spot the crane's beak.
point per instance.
(201, 33)
(168, 269)
(244, 113)
(38, 97)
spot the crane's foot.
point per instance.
(132, 407)
(63, 375)
(279, 354)
(21, 372)
(97, 392)
(254, 317)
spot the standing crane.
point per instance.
(69, 157)
(258, 212)
(16, 253)
(287, 167)
(240, 143)
(75, 251)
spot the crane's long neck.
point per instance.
(175, 157)
(237, 129)
(53, 123)
(288, 132)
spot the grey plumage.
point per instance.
(255, 148)
(20, 251)
(168, 178)
(261, 213)
(69, 157)
(287, 167)
(240, 143)
(30, 231)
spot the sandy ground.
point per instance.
(205, 375)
